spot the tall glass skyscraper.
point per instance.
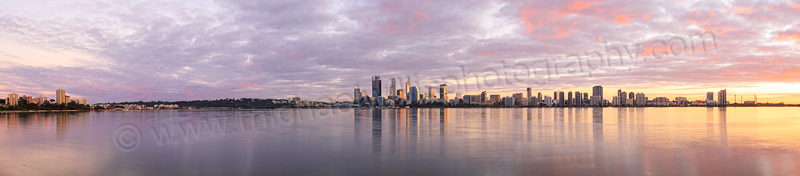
(598, 91)
(376, 86)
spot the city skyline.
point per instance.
(148, 51)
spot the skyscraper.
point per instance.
(356, 95)
(709, 96)
(401, 94)
(408, 87)
(414, 95)
(722, 96)
(560, 98)
(393, 88)
(443, 92)
(376, 86)
(598, 91)
(570, 101)
(61, 96)
(530, 101)
(578, 98)
(538, 98)
(586, 98)
(483, 96)
(555, 96)
(430, 92)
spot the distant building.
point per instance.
(569, 98)
(443, 92)
(561, 100)
(393, 88)
(430, 92)
(597, 91)
(596, 100)
(517, 98)
(356, 95)
(538, 99)
(13, 99)
(661, 101)
(548, 101)
(483, 96)
(509, 101)
(709, 96)
(376, 86)
(529, 97)
(401, 94)
(61, 96)
(408, 88)
(28, 99)
(640, 99)
(414, 95)
(578, 98)
(681, 101)
(722, 97)
(494, 98)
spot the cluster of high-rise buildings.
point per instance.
(419, 95)
(13, 99)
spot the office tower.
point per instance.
(430, 92)
(598, 91)
(393, 88)
(585, 100)
(596, 100)
(631, 95)
(709, 96)
(61, 96)
(494, 98)
(548, 100)
(376, 86)
(356, 95)
(408, 87)
(530, 101)
(483, 96)
(13, 99)
(722, 96)
(538, 98)
(621, 97)
(517, 96)
(578, 98)
(569, 99)
(561, 98)
(640, 99)
(443, 92)
(555, 95)
(414, 95)
(401, 94)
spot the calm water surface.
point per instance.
(446, 141)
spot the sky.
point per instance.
(114, 51)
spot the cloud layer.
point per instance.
(169, 50)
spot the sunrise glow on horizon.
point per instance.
(115, 51)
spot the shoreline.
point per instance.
(18, 111)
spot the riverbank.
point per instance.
(24, 111)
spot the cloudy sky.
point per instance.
(112, 51)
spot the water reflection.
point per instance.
(438, 141)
